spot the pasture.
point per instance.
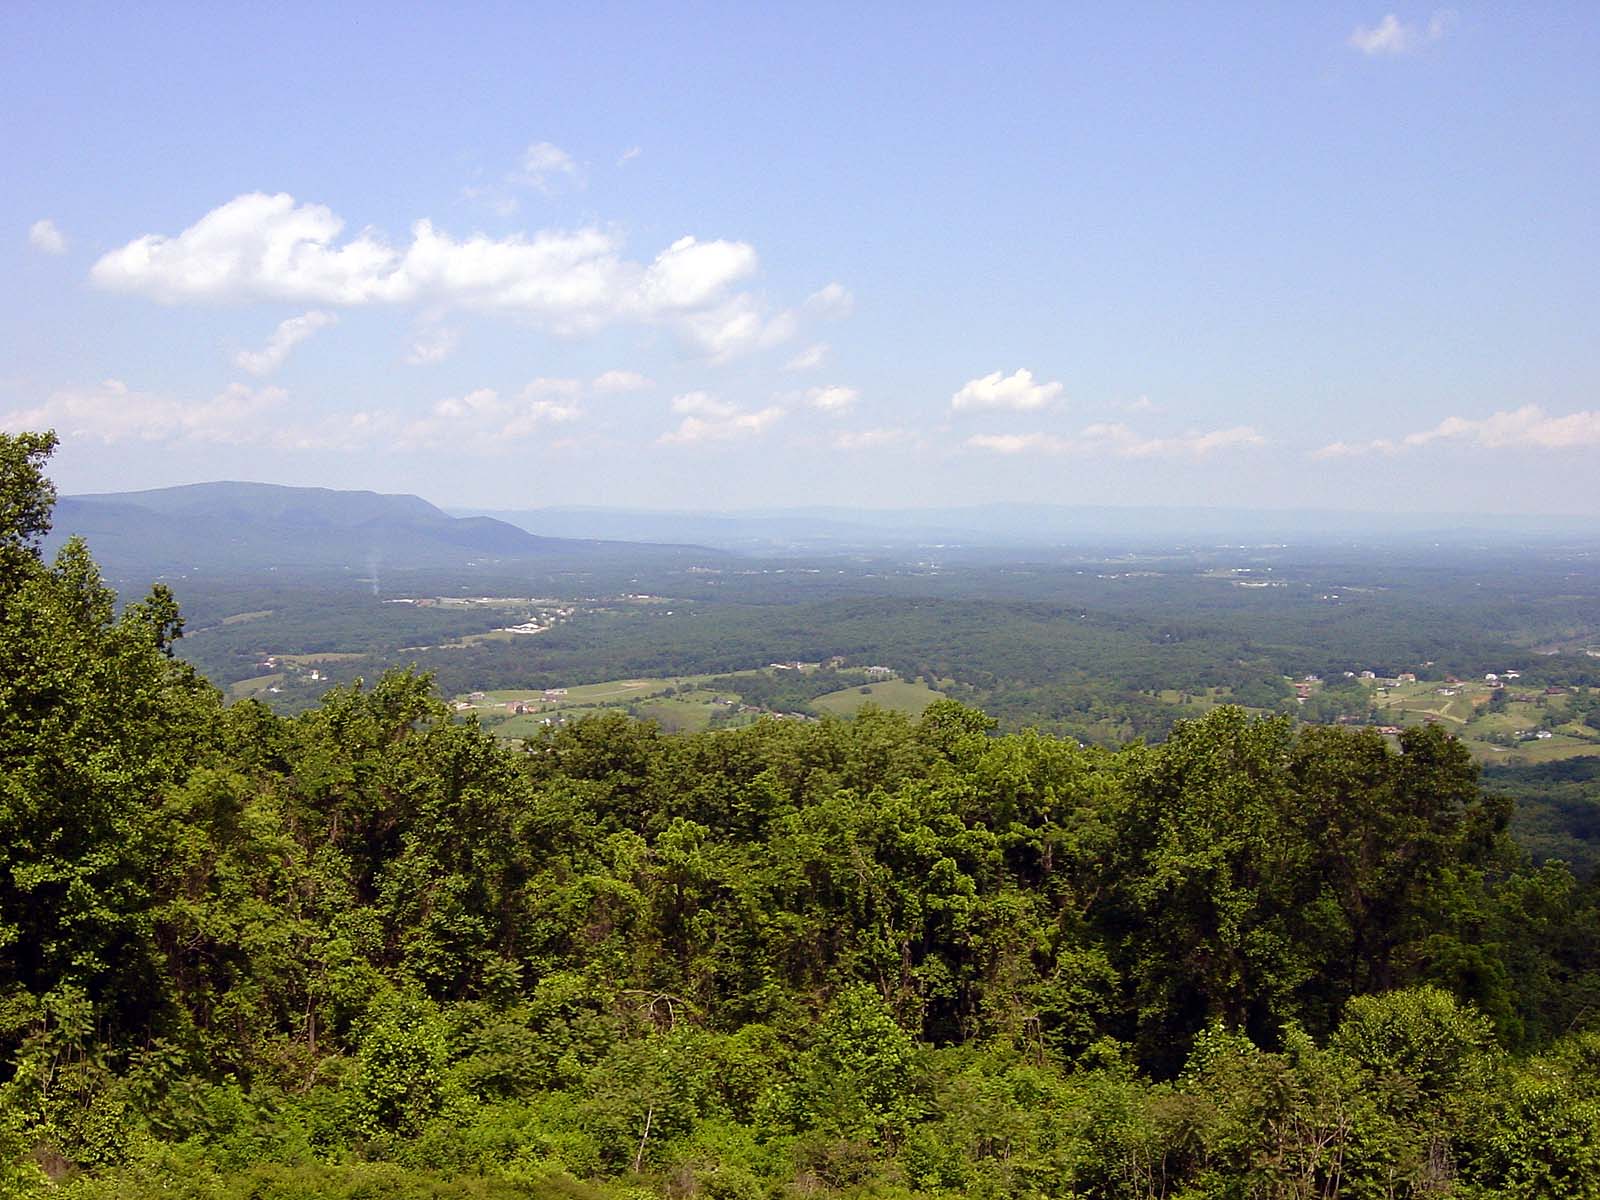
(897, 695)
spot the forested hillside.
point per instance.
(368, 951)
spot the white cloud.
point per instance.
(113, 412)
(628, 155)
(612, 382)
(260, 247)
(43, 235)
(285, 338)
(544, 166)
(432, 346)
(338, 431)
(1356, 449)
(1394, 36)
(1193, 444)
(478, 422)
(1388, 36)
(702, 404)
(834, 398)
(497, 199)
(570, 389)
(871, 439)
(1117, 440)
(531, 415)
(1017, 392)
(1528, 427)
(482, 421)
(833, 300)
(808, 359)
(735, 327)
(708, 419)
(1138, 404)
(691, 274)
(1016, 443)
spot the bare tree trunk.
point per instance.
(638, 1158)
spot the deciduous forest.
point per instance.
(367, 950)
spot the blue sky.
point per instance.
(725, 256)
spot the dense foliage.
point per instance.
(1557, 809)
(367, 951)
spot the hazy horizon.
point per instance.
(766, 510)
(929, 518)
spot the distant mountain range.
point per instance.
(233, 527)
(1025, 525)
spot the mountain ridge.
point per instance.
(233, 526)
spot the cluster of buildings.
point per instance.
(833, 663)
(1383, 680)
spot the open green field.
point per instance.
(244, 689)
(1196, 703)
(1415, 701)
(613, 691)
(897, 695)
(1489, 733)
(677, 704)
(691, 712)
(245, 617)
(529, 724)
(1543, 751)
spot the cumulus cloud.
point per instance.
(834, 398)
(1528, 427)
(261, 247)
(432, 346)
(612, 382)
(1017, 392)
(258, 247)
(809, 359)
(113, 412)
(832, 300)
(1393, 36)
(1118, 440)
(871, 439)
(284, 339)
(44, 236)
(709, 419)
